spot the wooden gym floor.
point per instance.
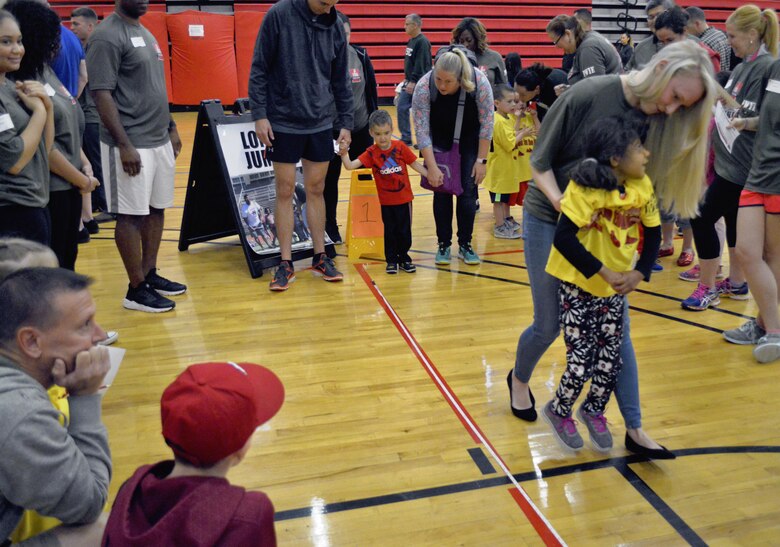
(396, 428)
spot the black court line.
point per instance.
(663, 509)
(620, 464)
(481, 461)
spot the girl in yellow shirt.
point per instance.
(593, 255)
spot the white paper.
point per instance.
(49, 90)
(773, 86)
(727, 133)
(335, 146)
(197, 31)
(138, 41)
(115, 355)
(6, 122)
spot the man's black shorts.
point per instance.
(289, 147)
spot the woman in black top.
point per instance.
(537, 84)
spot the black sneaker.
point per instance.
(408, 267)
(145, 298)
(83, 236)
(283, 277)
(391, 268)
(164, 286)
(323, 266)
(92, 226)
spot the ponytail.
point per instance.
(456, 62)
(750, 17)
(593, 174)
(769, 35)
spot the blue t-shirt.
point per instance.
(66, 65)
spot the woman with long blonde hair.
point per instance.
(753, 35)
(675, 93)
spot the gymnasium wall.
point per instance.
(210, 44)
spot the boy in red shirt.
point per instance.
(388, 158)
(208, 416)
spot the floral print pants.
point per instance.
(593, 331)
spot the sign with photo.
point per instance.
(232, 190)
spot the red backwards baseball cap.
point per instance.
(211, 409)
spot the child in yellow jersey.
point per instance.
(593, 255)
(504, 167)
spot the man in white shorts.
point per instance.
(138, 144)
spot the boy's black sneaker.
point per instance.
(408, 267)
(164, 286)
(323, 266)
(283, 277)
(391, 268)
(92, 226)
(145, 298)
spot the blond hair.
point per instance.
(456, 62)
(678, 143)
(750, 17)
(17, 253)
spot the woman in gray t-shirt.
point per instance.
(471, 34)
(675, 92)
(26, 134)
(593, 54)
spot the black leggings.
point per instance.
(65, 209)
(720, 200)
(33, 223)
(361, 140)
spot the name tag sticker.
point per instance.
(197, 31)
(49, 90)
(138, 41)
(773, 86)
(6, 122)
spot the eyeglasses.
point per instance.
(558, 39)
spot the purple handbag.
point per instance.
(448, 161)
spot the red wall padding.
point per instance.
(202, 67)
(155, 22)
(247, 27)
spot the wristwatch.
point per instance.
(483, 161)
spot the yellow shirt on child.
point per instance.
(503, 169)
(609, 229)
(524, 149)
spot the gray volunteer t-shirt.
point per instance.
(88, 106)
(30, 187)
(560, 142)
(68, 127)
(357, 79)
(492, 64)
(126, 60)
(764, 175)
(595, 56)
(746, 86)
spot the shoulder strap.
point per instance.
(459, 115)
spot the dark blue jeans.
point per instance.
(466, 205)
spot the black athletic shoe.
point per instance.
(391, 268)
(408, 267)
(92, 226)
(285, 274)
(145, 298)
(83, 236)
(164, 286)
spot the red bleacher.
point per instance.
(512, 25)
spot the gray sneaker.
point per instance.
(564, 428)
(768, 348)
(600, 437)
(747, 334)
(505, 232)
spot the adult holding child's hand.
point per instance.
(437, 120)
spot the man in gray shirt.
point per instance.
(48, 335)
(83, 22)
(139, 144)
(648, 47)
(417, 62)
